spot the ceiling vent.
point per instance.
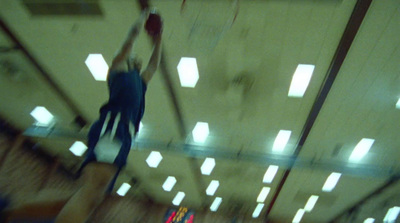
(63, 8)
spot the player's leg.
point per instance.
(97, 178)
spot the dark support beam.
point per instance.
(17, 144)
(45, 75)
(350, 32)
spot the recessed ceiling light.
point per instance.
(188, 72)
(97, 66)
(298, 216)
(200, 132)
(398, 104)
(331, 182)
(169, 183)
(361, 149)
(215, 204)
(369, 220)
(212, 187)
(123, 189)
(263, 194)
(270, 174)
(178, 198)
(392, 215)
(78, 148)
(281, 140)
(154, 159)
(258, 210)
(208, 166)
(301, 79)
(311, 203)
(42, 116)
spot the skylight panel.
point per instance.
(258, 210)
(215, 204)
(299, 215)
(200, 132)
(361, 149)
(263, 194)
(97, 66)
(331, 182)
(169, 183)
(188, 72)
(42, 116)
(178, 198)
(270, 174)
(281, 140)
(369, 220)
(208, 166)
(78, 148)
(301, 79)
(154, 159)
(123, 189)
(311, 203)
(212, 187)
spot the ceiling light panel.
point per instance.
(215, 204)
(154, 159)
(301, 79)
(208, 166)
(311, 203)
(42, 116)
(78, 148)
(212, 188)
(392, 215)
(200, 132)
(281, 140)
(97, 66)
(263, 194)
(188, 72)
(258, 210)
(270, 174)
(361, 149)
(178, 198)
(398, 104)
(123, 189)
(369, 220)
(299, 215)
(169, 183)
(331, 182)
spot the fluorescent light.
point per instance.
(42, 116)
(169, 183)
(212, 187)
(97, 66)
(188, 72)
(263, 194)
(208, 166)
(361, 149)
(369, 220)
(123, 189)
(281, 140)
(398, 104)
(78, 148)
(178, 198)
(154, 159)
(270, 174)
(215, 204)
(331, 182)
(298, 216)
(311, 203)
(391, 215)
(200, 132)
(301, 79)
(257, 211)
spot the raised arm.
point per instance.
(154, 61)
(119, 60)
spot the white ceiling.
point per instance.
(264, 43)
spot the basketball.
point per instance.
(154, 24)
